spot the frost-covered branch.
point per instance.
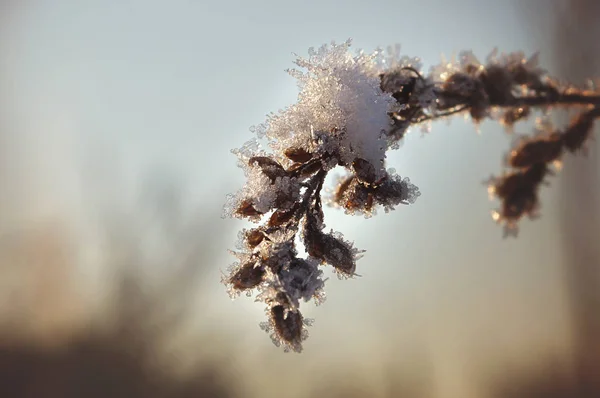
(352, 109)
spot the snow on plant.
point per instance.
(352, 109)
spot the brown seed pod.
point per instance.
(298, 155)
(312, 234)
(282, 216)
(520, 182)
(254, 237)
(247, 276)
(579, 131)
(315, 244)
(271, 168)
(288, 327)
(517, 206)
(339, 254)
(331, 250)
(246, 209)
(536, 150)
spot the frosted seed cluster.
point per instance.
(351, 109)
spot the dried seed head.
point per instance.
(330, 249)
(517, 206)
(342, 119)
(536, 150)
(390, 191)
(298, 154)
(579, 131)
(339, 254)
(514, 184)
(518, 193)
(248, 276)
(288, 326)
(271, 168)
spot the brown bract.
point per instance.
(248, 276)
(288, 325)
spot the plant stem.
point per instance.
(561, 100)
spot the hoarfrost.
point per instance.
(340, 96)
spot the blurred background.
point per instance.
(116, 122)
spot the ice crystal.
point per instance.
(340, 97)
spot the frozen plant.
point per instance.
(351, 109)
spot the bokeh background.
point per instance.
(117, 118)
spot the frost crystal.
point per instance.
(341, 99)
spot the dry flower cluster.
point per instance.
(351, 109)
